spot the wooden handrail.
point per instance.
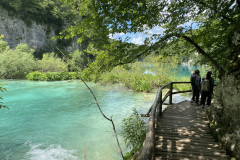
(147, 151)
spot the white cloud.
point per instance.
(120, 34)
(139, 40)
(155, 30)
(111, 36)
(117, 35)
(139, 37)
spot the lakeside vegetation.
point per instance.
(144, 75)
(133, 125)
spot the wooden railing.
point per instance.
(147, 152)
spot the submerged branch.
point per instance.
(84, 152)
(109, 119)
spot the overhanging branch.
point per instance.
(168, 36)
(201, 51)
(148, 49)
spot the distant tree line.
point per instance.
(17, 63)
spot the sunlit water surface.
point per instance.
(58, 120)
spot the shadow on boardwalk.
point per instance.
(183, 133)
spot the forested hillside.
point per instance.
(36, 23)
(51, 12)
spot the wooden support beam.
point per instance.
(166, 96)
(171, 90)
(181, 92)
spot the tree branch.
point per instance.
(168, 36)
(84, 152)
(109, 119)
(149, 48)
(201, 51)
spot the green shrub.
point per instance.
(51, 63)
(34, 76)
(51, 76)
(134, 77)
(129, 155)
(16, 63)
(78, 61)
(141, 83)
(3, 45)
(134, 132)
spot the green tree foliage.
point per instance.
(134, 131)
(3, 44)
(215, 35)
(51, 63)
(110, 55)
(16, 63)
(78, 61)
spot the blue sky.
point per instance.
(139, 37)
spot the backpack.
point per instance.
(205, 85)
(197, 80)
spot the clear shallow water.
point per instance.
(53, 120)
(180, 71)
(184, 70)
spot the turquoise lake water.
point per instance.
(180, 71)
(53, 120)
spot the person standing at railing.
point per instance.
(207, 89)
(196, 85)
(192, 84)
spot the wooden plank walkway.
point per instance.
(183, 134)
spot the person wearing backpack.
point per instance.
(207, 89)
(197, 84)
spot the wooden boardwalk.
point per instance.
(183, 134)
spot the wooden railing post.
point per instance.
(170, 93)
(160, 103)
